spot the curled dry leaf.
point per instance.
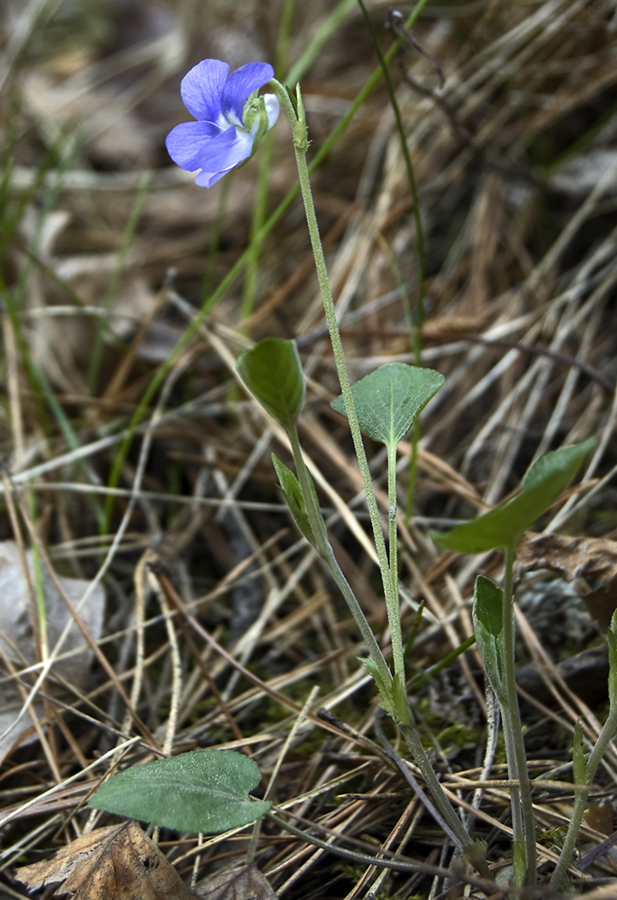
(244, 883)
(580, 560)
(115, 863)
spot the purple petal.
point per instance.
(202, 89)
(223, 153)
(186, 143)
(207, 179)
(240, 85)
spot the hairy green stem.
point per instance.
(323, 548)
(522, 808)
(393, 690)
(559, 877)
(392, 531)
(417, 331)
(298, 124)
(445, 808)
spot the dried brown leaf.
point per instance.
(599, 817)
(579, 560)
(245, 883)
(115, 863)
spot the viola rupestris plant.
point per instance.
(231, 118)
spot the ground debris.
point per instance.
(115, 863)
(243, 883)
(580, 560)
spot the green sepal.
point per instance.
(255, 111)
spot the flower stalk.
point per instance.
(301, 143)
(392, 686)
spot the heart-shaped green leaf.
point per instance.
(272, 372)
(505, 525)
(388, 400)
(201, 791)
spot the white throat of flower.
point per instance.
(260, 115)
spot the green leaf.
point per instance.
(488, 628)
(388, 400)
(272, 372)
(201, 791)
(505, 525)
(292, 493)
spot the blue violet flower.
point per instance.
(231, 118)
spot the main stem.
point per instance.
(300, 146)
(323, 548)
(455, 828)
(399, 706)
(523, 824)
